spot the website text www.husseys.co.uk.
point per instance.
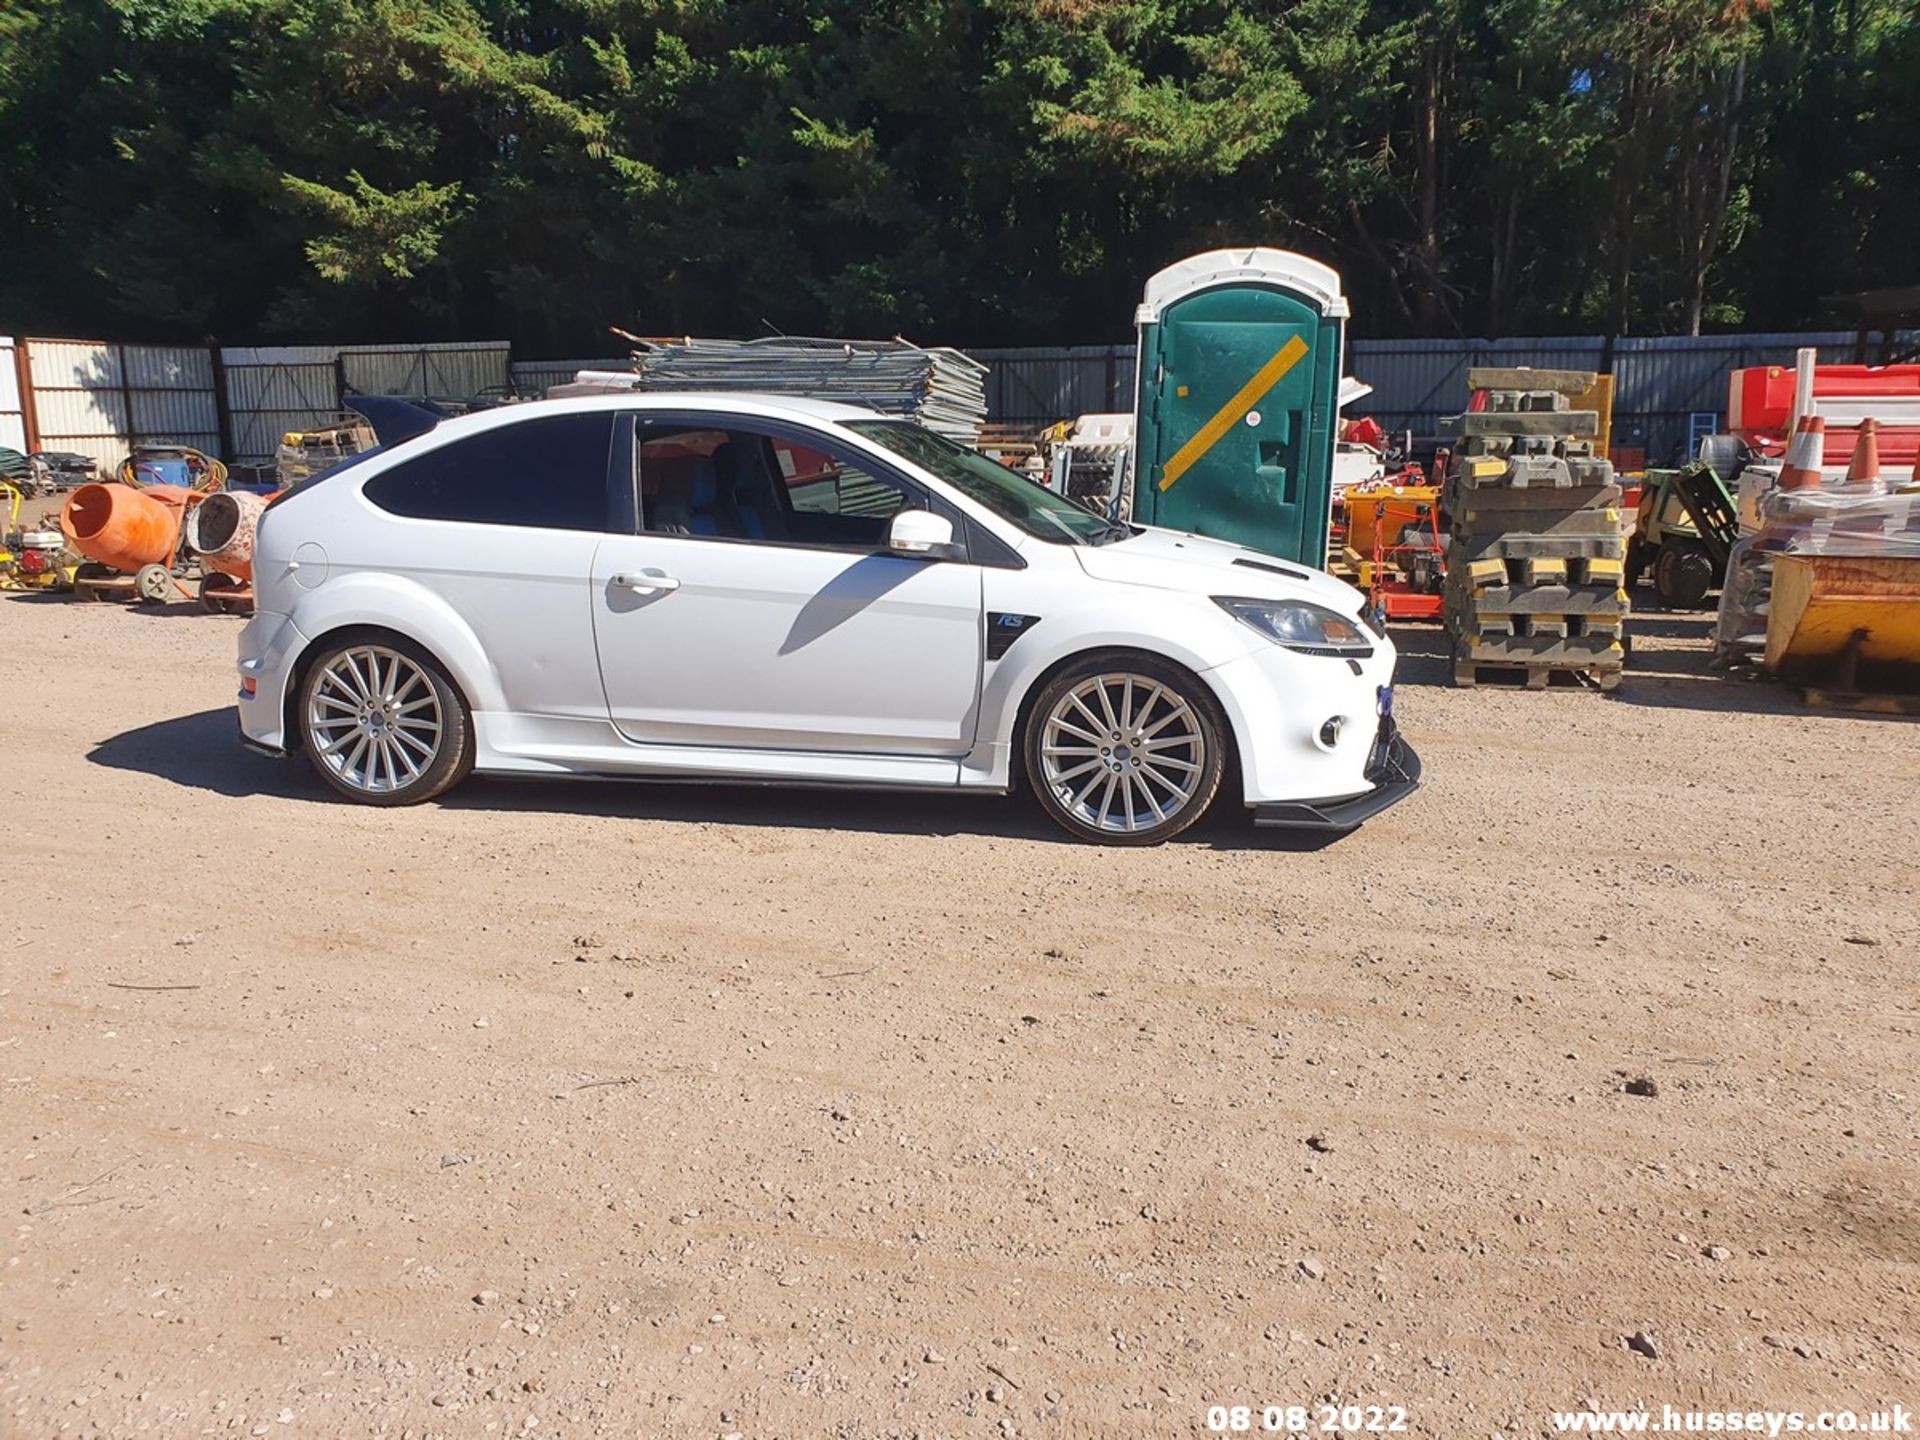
(1670, 1421)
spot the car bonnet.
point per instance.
(1169, 560)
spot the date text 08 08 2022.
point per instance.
(1307, 1419)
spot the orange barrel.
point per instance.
(221, 529)
(123, 528)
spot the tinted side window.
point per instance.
(549, 472)
(738, 484)
(821, 484)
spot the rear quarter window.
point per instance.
(549, 472)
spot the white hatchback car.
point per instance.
(770, 589)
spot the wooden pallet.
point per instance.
(1468, 673)
(105, 587)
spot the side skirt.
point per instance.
(557, 746)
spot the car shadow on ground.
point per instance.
(203, 752)
(1676, 676)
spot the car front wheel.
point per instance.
(1126, 751)
(382, 724)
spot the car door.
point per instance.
(758, 606)
(502, 524)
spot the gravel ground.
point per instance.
(631, 1110)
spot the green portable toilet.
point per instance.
(1236, 405)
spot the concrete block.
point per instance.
(1520, 423)
(1519, 377)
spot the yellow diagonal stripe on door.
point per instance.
(1234, 411)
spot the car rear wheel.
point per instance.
(1125, 750)
(382, 724)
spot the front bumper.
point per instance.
(1392, 767)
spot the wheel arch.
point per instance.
(1023, 711)
(292, 731)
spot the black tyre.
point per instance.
(1125, 749)
(382, 724)
(213, 600)
(88, 571)
(1682, 574)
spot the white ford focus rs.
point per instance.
(770, 589)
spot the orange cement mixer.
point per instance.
(131, 539)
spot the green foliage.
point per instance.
(373, 236)
(980, 171)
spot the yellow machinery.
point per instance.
(1832, 615)
(1395, 545)
(34, 558)
(1598, 397)
(304, 454)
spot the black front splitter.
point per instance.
(1396, 775)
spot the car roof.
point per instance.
(793, 407)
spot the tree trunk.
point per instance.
(1726, 120)
(1626, 188)
(1380, 258)
(1500, 284)
(1426, 152)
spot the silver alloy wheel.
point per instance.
(374, 719)
(1123, 752)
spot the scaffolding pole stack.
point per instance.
(1536, 558)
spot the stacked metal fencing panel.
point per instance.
(940, 388)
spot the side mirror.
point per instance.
(922, 535)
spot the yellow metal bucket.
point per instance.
(1840, 609)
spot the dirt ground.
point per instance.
(579, 1110)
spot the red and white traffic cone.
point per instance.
(1804, 453)
(1864, 467)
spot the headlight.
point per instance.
(1300, 626)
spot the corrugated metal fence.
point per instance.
(13, 427)
(1666, 388)
(446, 372)
(535, 377)
(275, 389)
(1661, 383)
(101, 399)
(1040, 386)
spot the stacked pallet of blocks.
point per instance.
(1536, 562)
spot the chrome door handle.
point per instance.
(647, 582)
